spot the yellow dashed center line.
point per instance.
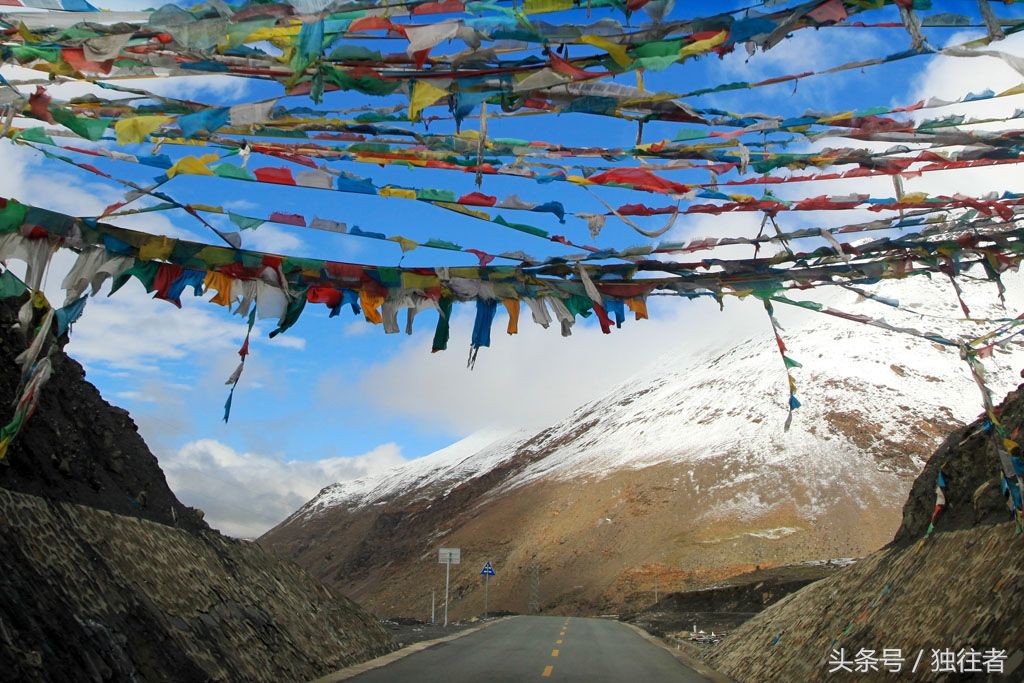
(554, 653)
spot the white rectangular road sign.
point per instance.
(449, 556)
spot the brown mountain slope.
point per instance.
(682, 476)
(599, 542)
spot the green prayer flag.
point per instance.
(442, 244)
(144, 271)
(295, 306)
(90, 129)
(34, 135)
(12, 216)
(11, 285)
(522, 227)
(245, 222)
(432, 195)
(232, 171)
(441, 331)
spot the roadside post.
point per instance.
(487, 572)
(448, 557)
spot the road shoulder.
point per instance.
(357, 669)
(692, 662)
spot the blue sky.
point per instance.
(337, 398)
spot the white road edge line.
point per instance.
(356, 669)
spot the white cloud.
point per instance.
(287, 342)
(356, 328)
(244, 494)
(132, 331)
(273, 239)
(953, 77)
(215, 88)
(132, 396)
(803, 47)
(537, 376)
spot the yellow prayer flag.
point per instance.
(137, 128)
(401, 192)
(273, 34)
(209, 208)
(193, 166)
(702, 46)
(459, 208)
(541, 6)
(468, 272)
(837, 117)
(417, 281)
(157, 247)
(406, 244)
(616, 51)
(423, 95)
(371, 303)
(1015, 90)
(638, 306)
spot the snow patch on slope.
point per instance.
(868, 395)
(436, 473)
(862, 389)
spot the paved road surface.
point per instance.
(540, 649)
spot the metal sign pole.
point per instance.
(448, 556)
(486, 577)
(432, 619)
(447, 573)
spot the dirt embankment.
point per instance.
(726, 605)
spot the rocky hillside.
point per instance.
(962, 588)
(106, 576)
(78, 448)
(683, 475)
(90, 595)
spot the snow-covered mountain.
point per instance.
(683, 473)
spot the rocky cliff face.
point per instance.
(78, 448)
(681, 476)
(961, 588)
(106, 576)
(970, 466)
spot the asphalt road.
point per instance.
(540, 649)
